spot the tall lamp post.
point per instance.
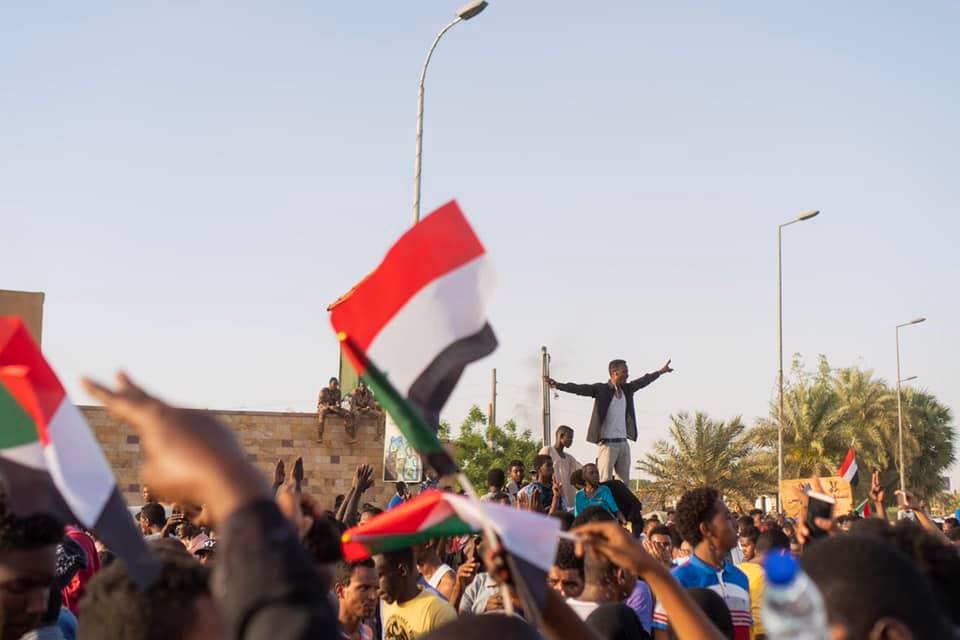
(802, 217)
(899, 404)
(465, 13)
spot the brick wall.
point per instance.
(267, 436)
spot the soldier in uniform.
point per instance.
(362, 403)
(329, 403)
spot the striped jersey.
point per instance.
(731, 584)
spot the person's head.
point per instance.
(152, 518)
(748, 542)
(427, 552)
(147, 494)
(604, 577)
(207, 553)
(334, 383)
(338, 501)
(177, 605)
(322, 544)
(516, 471)
(757, 515)
(396, 575)
(566, 574)
(564, 436)
(362, 384)
(655, 518)
(28, 559)
(703, 518)
(369, 511)
(576, 479)
(683, 551)
(543, 467)
(670, 516)
(615, 621)
(355, 585)
(788, 529)
(485, 627)
(871, 590)
(401, 488)
(618, 372)
(660, 537)
(591, 475)
(713, 605)
(496, 478)
(950, 523)
(743, 522)
(772, 539)
(502, 498)
(565, 517)
(953, 535)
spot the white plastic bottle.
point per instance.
(792, 607)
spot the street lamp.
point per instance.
(466, 12)
(806, 215)
(899, 405)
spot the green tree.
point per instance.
(826, 411)
(479, 447)
(701, 451)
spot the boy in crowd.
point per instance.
(773, 540)
(564, 463)
(595, 494)
(516, 472)
(566, 574)
(543, 494)
(355, 586)
(496, 479)
(704, 520)
(408, 610)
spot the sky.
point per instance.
(191, 183)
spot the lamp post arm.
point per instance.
(419, 152)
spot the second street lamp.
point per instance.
(466, 12)
(806, 215)
(899, 405)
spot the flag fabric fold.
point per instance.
(421, 314)
(49, 458)
(849, 470)
(863, 509)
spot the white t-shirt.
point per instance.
(562, 468)
(582, 608)
(437, 576)
(615, 422)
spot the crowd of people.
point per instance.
(242, 559)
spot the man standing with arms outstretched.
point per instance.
(614, 419)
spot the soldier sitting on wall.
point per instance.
(362, 403)
(329, 403)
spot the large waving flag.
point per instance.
(849, 470)
(529, 538)
(49, 459)
(410, 327)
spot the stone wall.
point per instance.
(267, 436)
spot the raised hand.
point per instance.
(189, 456)
(876, 488)
(550, 381)
(908, 501)
(616, 544)
(279, 475)
(666, 368)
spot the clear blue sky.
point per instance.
(192, 183)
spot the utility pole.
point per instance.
(545, 394)
(492, 413)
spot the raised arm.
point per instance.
(688, 620)
(571, 387)
(644, 380)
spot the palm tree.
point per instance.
(814, 434)
(701, 451)
(928, 441)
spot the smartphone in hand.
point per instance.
(819, 505)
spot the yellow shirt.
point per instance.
(415, 618)
(757, 582)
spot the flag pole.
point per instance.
(489, 536)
